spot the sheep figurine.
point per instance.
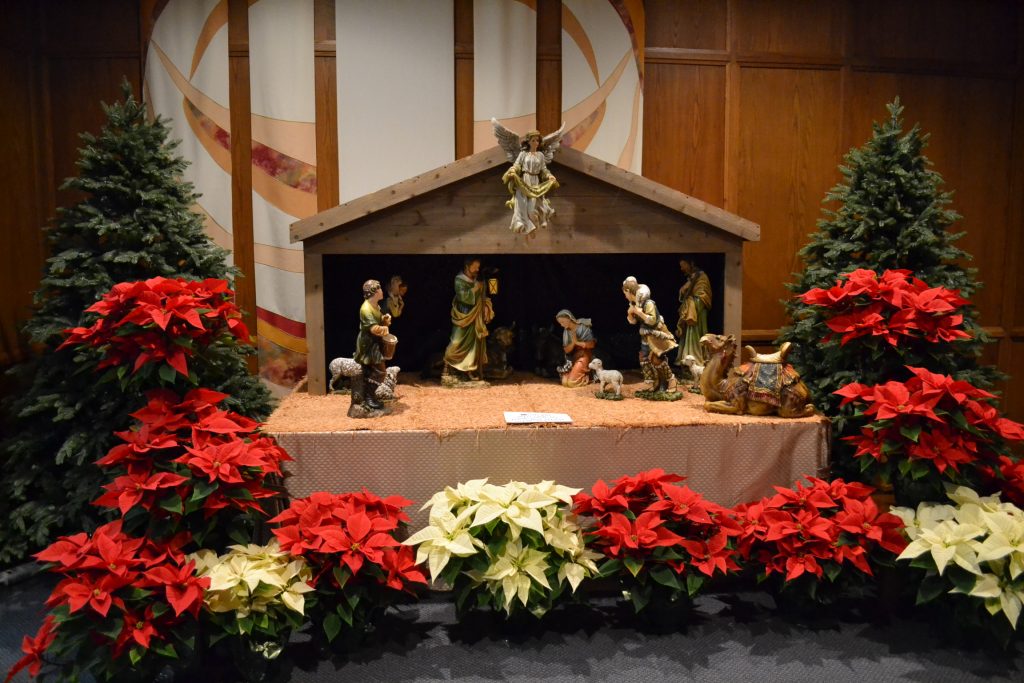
(696, 368)
(606, 377)
(342, 367)
(347, 367)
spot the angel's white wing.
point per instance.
(508, 140)
(551, 143)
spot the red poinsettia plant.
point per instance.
(159, 325)
(125, 608)
(1007, 476)
(895, 307)
(811, 535)
(660, 539)
(359, 567)
(189, 465)
(931, 427)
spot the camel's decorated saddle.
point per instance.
(765, 376)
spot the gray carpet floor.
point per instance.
(725, 638)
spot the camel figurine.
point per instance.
(764, 385)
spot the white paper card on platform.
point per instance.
(513, 418)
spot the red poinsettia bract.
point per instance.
(650, 522)
(160, 320)
(929, 418)
(186, 453)
(893, 306)
(353, 531)
(150, 585)
(34, 648)
(804, 529)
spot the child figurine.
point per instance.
(578, 343)
(655, 341)
(370, 353)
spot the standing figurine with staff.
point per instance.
(466, 355)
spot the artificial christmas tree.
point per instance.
(892, 214)
(134, 223)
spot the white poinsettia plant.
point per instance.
(973, 546)
(510, 547)
(256, 591)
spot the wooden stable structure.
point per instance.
(460, 208)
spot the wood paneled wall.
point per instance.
(748, 104)
(58, 60)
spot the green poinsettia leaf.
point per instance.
(331, 626)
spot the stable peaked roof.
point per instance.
(494, 158)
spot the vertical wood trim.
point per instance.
(732, 319)
(730, 170)
(463, 19)
(549, 65)
(325, 67)
(316, 372)
(241, 162)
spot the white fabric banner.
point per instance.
(186, 82)
(284, 139)
(504, 68)
(602, 95)
(396, 91)
(283, 103)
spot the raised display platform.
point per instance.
(437, 437)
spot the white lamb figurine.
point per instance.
(346, 367)
(606, 377)
(696, 369)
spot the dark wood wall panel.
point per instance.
(970, 123)
(699, 25)
(94, 26)
(789, 27)
(684, 129)
(789, 140)
(58, 60)
(20, 173)
(955, 32)
(76, 85)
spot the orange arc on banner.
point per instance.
(629, 149)
(280, 337)
(572, 26)
(291, 200)
(289, 260)
(296, 139)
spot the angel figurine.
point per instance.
(529, 180)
